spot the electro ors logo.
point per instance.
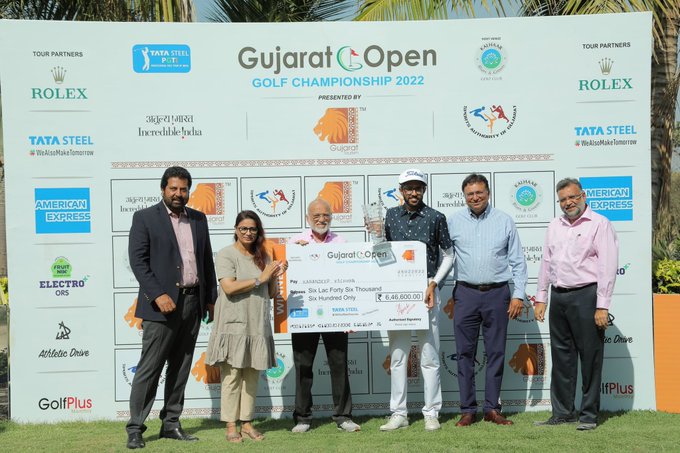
(64, 210)
(491, 58)
(161, 58)
(340, 128)
(529, 361)
(489, 121)
(62, 283)
(272, 203)
(605, 83)
(526, 195)
(59, 92)
(610, 196)
(66, 403)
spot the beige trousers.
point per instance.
(239, 387)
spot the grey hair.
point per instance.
(320, 201)
(568, 182)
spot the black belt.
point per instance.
(189, 290)
(557, 289)
(485, 287)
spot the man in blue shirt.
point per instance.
(488, 256)
(415, 221)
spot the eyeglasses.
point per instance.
(570, 198)
(479, 193)
(419, 189)
(244, 230)
(321, 216)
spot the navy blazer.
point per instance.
(156, 261)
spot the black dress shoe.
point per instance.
(177, 434)
(135, 440)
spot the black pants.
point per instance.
(172, 341)
(304, 351)
(574, 336)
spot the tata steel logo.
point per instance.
(62, 210)
(603, 135)
(340, 128)
(161, 58)
(272, 202)
(489, 121)
(298, 313)
(348, 58)
(605, 83)
(58, 74)
(206, 374)
(491, 59)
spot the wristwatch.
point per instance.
(257, 283)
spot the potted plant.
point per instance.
(666, 268)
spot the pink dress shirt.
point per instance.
(308, 236)
(185, 240)
(580, 253)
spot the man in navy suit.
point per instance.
(171, 257)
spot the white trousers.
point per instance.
(400, 346)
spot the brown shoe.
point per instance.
(466, 419)
(496, 417)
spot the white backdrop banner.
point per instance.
(269, 116)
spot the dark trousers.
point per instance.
(574, 336)
(304, 351)
(172, 341)
(488, 309)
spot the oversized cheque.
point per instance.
(355, 286)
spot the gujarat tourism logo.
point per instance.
(526, 195)
(605, 83)
(209, 199)
(338, 194)
(491, 59)
(529, 360)
(409, 255)
(450, 361)
(58, 74)
(489, 121)
(273, 202)
(412, 364)
(339, 126)
(130, 319)
(205, 373)
(349, 59)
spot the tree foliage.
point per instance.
(280, 10)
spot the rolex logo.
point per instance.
(58, 74)
(606, 66)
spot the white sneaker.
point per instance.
(396, 421)
(349, 426)
(301, 428)
(431, 423)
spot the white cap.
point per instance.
(412, 174)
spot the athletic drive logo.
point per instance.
(62, 283)
(161, 58)
(205, 373)
(62, 210)
(272, 202)
(491, 58)
(58, 76)
(340, 128)
(338, 194)
(605, 83)
(61, 146)
(526, 195)
(489, 121)
(529, 361)
(614, 135)
(611, 196)
(209, 199)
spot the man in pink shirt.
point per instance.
(580, 260)
(305, 344)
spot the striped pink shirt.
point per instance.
(185, 240)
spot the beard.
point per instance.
(320, 230)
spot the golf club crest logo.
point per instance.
(526, 195)
(491, 58)
(489, 120)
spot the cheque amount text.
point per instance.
(398, 297)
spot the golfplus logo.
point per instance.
(618, 390)
(611, 196)
(491, 58)
(340, 128)
(161, 58)
(62, 210)
(66, 403)
(59, 77)
(489, 121)
(62, 283)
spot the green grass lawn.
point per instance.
(638, 431)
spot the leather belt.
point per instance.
(484, 287)
(557, 289)
(189, 290)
